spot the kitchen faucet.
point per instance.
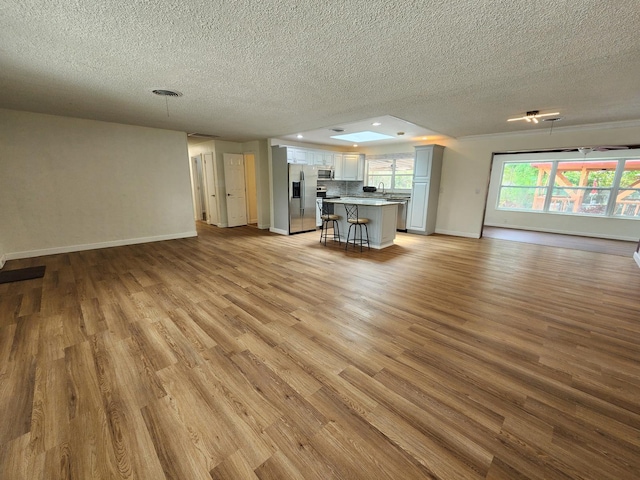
(381, 183)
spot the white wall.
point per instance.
(70, 184)
(467, 164)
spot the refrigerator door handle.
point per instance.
(302, 191)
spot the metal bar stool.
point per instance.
(327, 216)
(356, 222)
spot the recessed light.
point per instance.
(355, 144)
(376, 124)
(299, 136)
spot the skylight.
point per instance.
(361, 137)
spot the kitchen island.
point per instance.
(382, 215)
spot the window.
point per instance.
(394, 171)
(521, 185)
(628, 199)
(604, 186)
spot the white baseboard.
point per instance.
(278, 230)
(94, 246)
(264, 226)
(3, 259)
(455, 233)
(636, 257)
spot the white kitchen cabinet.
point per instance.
(337, 166)
(327, 159)
(349, 166)
(426, 189)
(297, 155)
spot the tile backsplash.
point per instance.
(343, 188)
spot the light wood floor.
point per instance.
(243, 354)
(589, 244)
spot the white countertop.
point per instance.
(373, 202)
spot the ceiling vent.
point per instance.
(167, 93)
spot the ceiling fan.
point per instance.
(601, 148)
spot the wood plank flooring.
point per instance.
(246, 355)
(589, 244)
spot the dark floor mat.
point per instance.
(21, 274)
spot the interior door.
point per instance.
(211, 189)
(199, 195)
(234, 182)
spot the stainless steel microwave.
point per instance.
(325, 174)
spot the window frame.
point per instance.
(393, 158)
(620, 157)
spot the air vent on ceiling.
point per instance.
(167, 93)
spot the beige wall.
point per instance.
(467, 163)
(69, 184)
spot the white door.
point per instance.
(211, 188)
(199, 195)
(234, 182)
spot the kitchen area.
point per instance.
(304, 178)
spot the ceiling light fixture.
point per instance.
(533, 116)
(299, 136)
(376, 124)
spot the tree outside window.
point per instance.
(602, 187)
(395, 172)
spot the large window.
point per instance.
(394, 171)
(603, 187)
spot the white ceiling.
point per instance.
(252, 69)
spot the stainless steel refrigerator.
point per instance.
(303, 180)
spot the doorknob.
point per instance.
(228, 194)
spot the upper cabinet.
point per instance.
(347, 166)
(297, 155)
(425, 190)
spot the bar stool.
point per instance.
(357, 222)
(327, 217)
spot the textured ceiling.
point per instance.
(254, 69)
